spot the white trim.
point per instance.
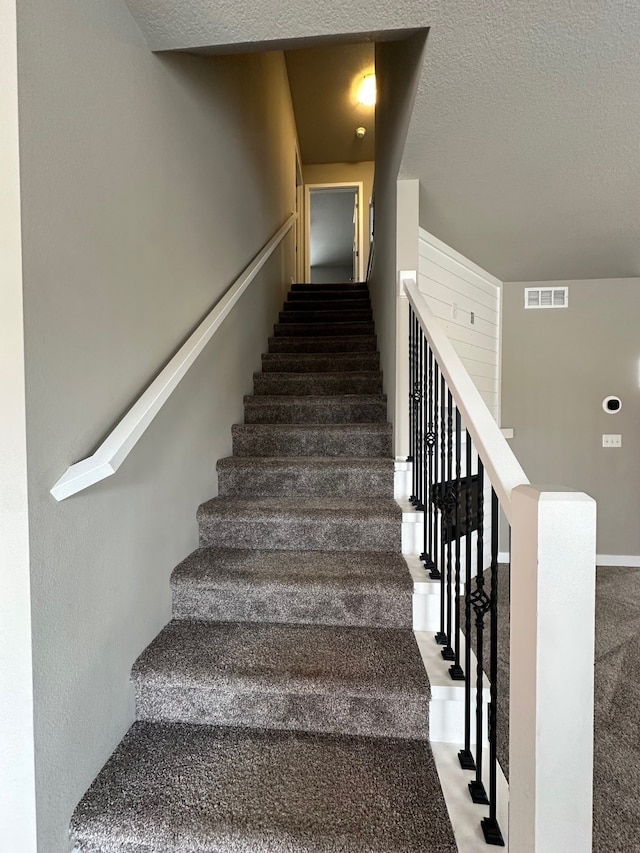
(465, 815)
(624, 561)
(121, 441)
(502, 467)
(336, 185)
(17, 763)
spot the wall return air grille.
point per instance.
(546, 297)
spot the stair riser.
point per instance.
(337, 412)
(262, 441)
(316, 384)
(250, 601)
(287, 533)
(366, 716)
(338, 305)
(318, 330)
(339, 287)
(363, 316)
(356, 298)
(363, 343)
(297, 482)
(333, 363)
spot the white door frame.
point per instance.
(300, 222)
(358, 186)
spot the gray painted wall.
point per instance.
(397, 70)
(557, 366)
(148, 183)
(332, 232)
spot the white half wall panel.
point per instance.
(466, 299)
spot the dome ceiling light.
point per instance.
(367, 91)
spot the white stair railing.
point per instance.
(106, 460)
(460, 457)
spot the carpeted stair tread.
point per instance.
(313, 509)
(335, 294)
(317, 524)
(320, 302)
(356, 382)
(320, 362)
(326, 343)
(275, 658)
(326, 678)
(327, 315)
(306, 476)
(188, 789)
(314, 587)
(354, 440)
(315, 409)
(330, 287)
(296, 330)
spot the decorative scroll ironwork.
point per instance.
(452, 497)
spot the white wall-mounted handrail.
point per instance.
(502, 467)
(119, 443)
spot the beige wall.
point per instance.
(397, 71)
(343, 173)
(557, 367)
(148, 183)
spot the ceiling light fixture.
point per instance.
(361, 132)
(367, 91)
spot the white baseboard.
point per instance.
(625, 561)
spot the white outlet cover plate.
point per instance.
(612, 441)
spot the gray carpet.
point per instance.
(285, 706)
(321, 588)
(223, 790)
(616, 788)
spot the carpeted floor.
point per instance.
(616, 788)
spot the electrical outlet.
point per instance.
(612, 441)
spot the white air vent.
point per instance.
(546, 297)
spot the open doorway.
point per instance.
(334, 229)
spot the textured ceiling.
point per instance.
(323, 84)
(526, 124)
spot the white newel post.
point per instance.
(553, 549)
(402, 367)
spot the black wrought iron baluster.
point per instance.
(435, 571)
(480, 602)
(465, 756)
(455, 671)
(449, 509)
(441, 636)
(419, 451)
(430, 438)
(490, 826)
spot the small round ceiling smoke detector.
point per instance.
(361, 132)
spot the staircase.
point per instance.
(285, 706)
